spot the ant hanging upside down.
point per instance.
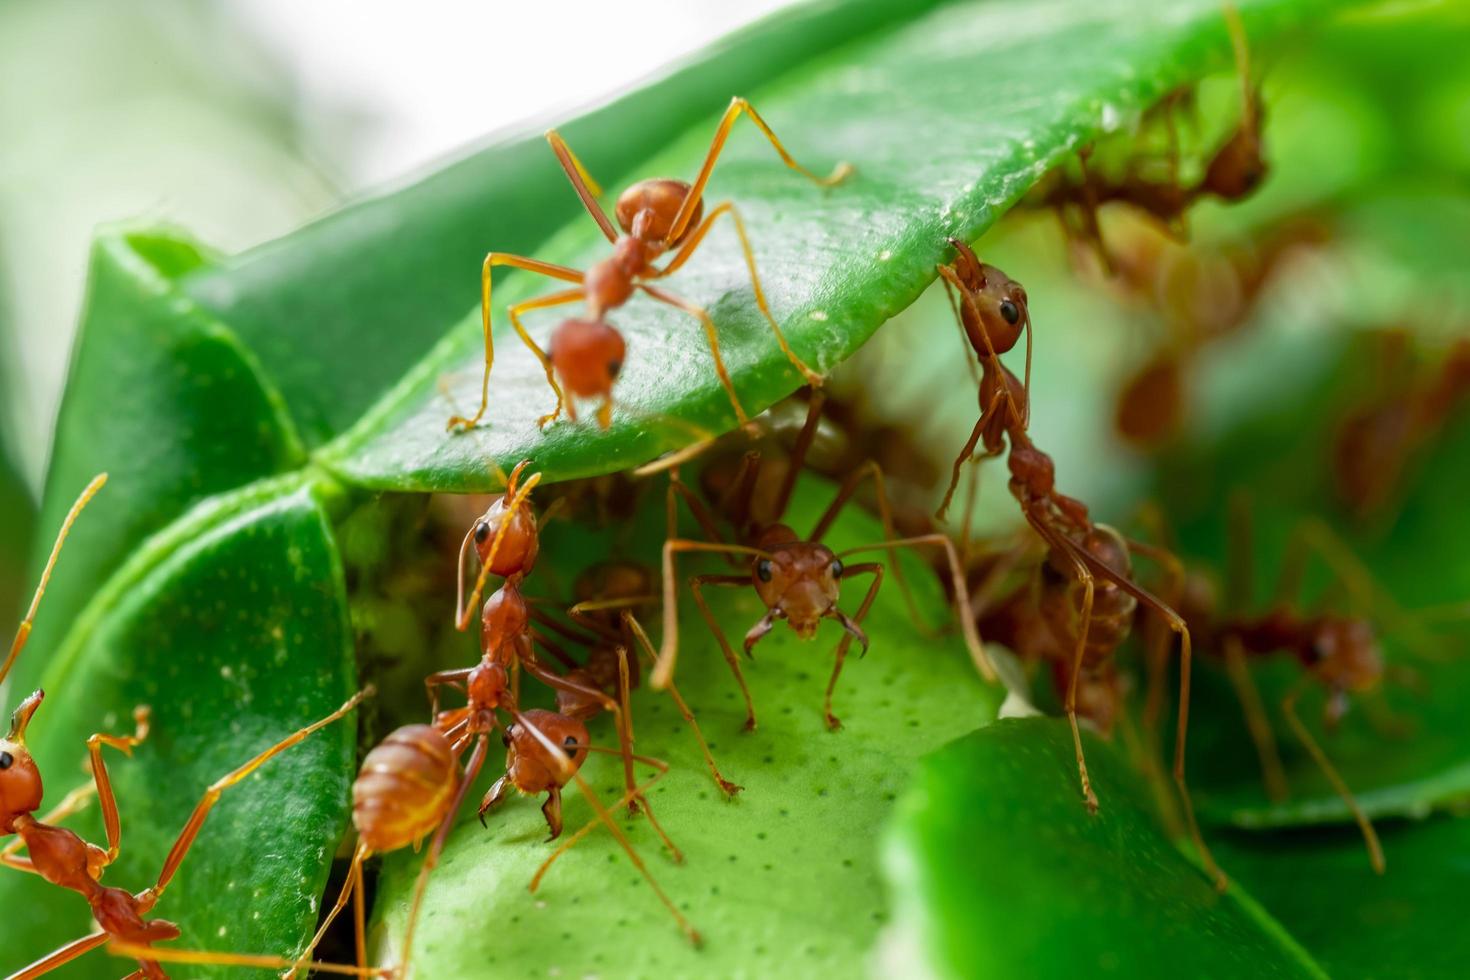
(654, 216)
(1087, 595)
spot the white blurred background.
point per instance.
(240, 120)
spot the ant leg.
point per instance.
(1370, 836)
(556, 682)
(726, 786)
(1084, 576)
(696, 584)
(205, 957)
(58, 958)
(797, 460)
(519, 262)
(1256, 722)
(687, 249)
(722, 132)
(668, 652)
(349, 886)
(867, 568)
(105, 799)
(581, 613)
(444, 678)
(23, 632)
(1177, 624)
(431, 859)
(632, 793)
(582, 182)
(712, 335)
(606, 819)
(963, 610)
(959, 462)
(885, 515)
(211, 796)
(514, 312)
(561, 629)
(678, 489)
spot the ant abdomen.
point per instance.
(661, 198)
(406, 784)
(588, 356)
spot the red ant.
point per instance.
(1339, 652)
(411, 783)
(797, 579)
(1232, 173)
(61, 857)
(1086, 594)
(655, 216)
(1377, 441)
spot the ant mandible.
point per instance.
(797, 579)
(61, 857)
(654, 216)
(1093, 595)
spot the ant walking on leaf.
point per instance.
(61, 857)
(653, 217)
(798, 579)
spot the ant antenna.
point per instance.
(463, 611)
(24, 632)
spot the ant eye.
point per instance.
(613, 367)
(505, 738)
(836, 567)
(763, 569)
(6, 760)
(482, 532)
(1010, 312)
(570, 742)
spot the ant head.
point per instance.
(567, 734)
(1345, 656)
(521, 541)
(648, 208)
(999, 300)
(20, 779)
(799, 582)
(1238, 167)
(588, 356)
(601, 667)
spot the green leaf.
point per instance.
(379, 282)
(164, 398)
(1356, 923)
(782, 879)
(978, 86)
(236, 635)
(1401, 751)
(999, 870)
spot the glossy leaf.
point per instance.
(783, 878)
(1357, 924)
(978, 86)
(235, 636)
(999, 870)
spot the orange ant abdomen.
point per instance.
(588, 356)
(660, 199)
(404, 788)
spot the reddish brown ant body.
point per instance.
(1232, 173)
(1086, 592)
(412, 783)
(654, 216)
(797, 579)
(61, 857)
(1377, 441)
(1339, 652)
